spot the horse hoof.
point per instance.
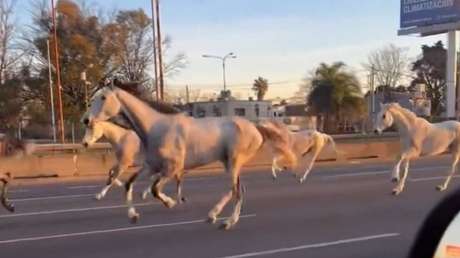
(441, 188)
(225, 226)
(396, 192)
(211, 220)
(134, 219)
(183, 200)
(11, 208)
(98, 197)
(170, 204)
(301, 180)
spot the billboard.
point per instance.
(419, 13)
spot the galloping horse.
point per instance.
(302, 143)
(174, 142)
(128, 152)
(419, 138)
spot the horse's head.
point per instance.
(384, 118)
(93, 132)
(104, 106)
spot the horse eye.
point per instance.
(384, 116)
(103, 97)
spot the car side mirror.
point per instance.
(439, 236)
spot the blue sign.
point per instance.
(419, 13)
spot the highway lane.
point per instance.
(343, 210)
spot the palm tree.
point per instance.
(260, 87)
(335, 94)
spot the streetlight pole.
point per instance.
(223, 59)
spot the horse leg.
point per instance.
(157, 191)
(4, 196)
(179, 198)
(310, 165)
(443, 186)
(395, 173)
(275, 167)
(400, 187)
(148, 190)
(113, 179)
(217, 209)
(132, 213)
(237, 193)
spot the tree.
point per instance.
(430, 69)
(87, 43)
(260, 87)
(389, 64)
(132, 43)
(10, 53)
(335, 94)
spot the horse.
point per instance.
(11, 148)
(304, 143)
(175, 142)
(418, 137)
(128, 152)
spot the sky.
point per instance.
(279, 40)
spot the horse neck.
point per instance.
(112, 132)
(402, 121)
(140, 115)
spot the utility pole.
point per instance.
(187, 94)
(155, 63)
(372, 90)
(53, 118)
(160, 53)
(58, 74)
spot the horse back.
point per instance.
(441, 136)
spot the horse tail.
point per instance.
(279, 142)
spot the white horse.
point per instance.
(303, 143)
(419, 138)
(174, 142)
(128, 152)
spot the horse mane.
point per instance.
(163, 107)
(405, 111)
(159, 106)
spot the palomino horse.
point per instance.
(174, 142)
(419, 138)
(128, 152)
(304, 143)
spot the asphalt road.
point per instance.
(343, 210)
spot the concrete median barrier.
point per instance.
(74, 162)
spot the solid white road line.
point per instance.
(85, 186)
(421, 179)
(105, 231)
(380, 172)
(52, 197)
(310, 246)
(24, 214)
(367, 173)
